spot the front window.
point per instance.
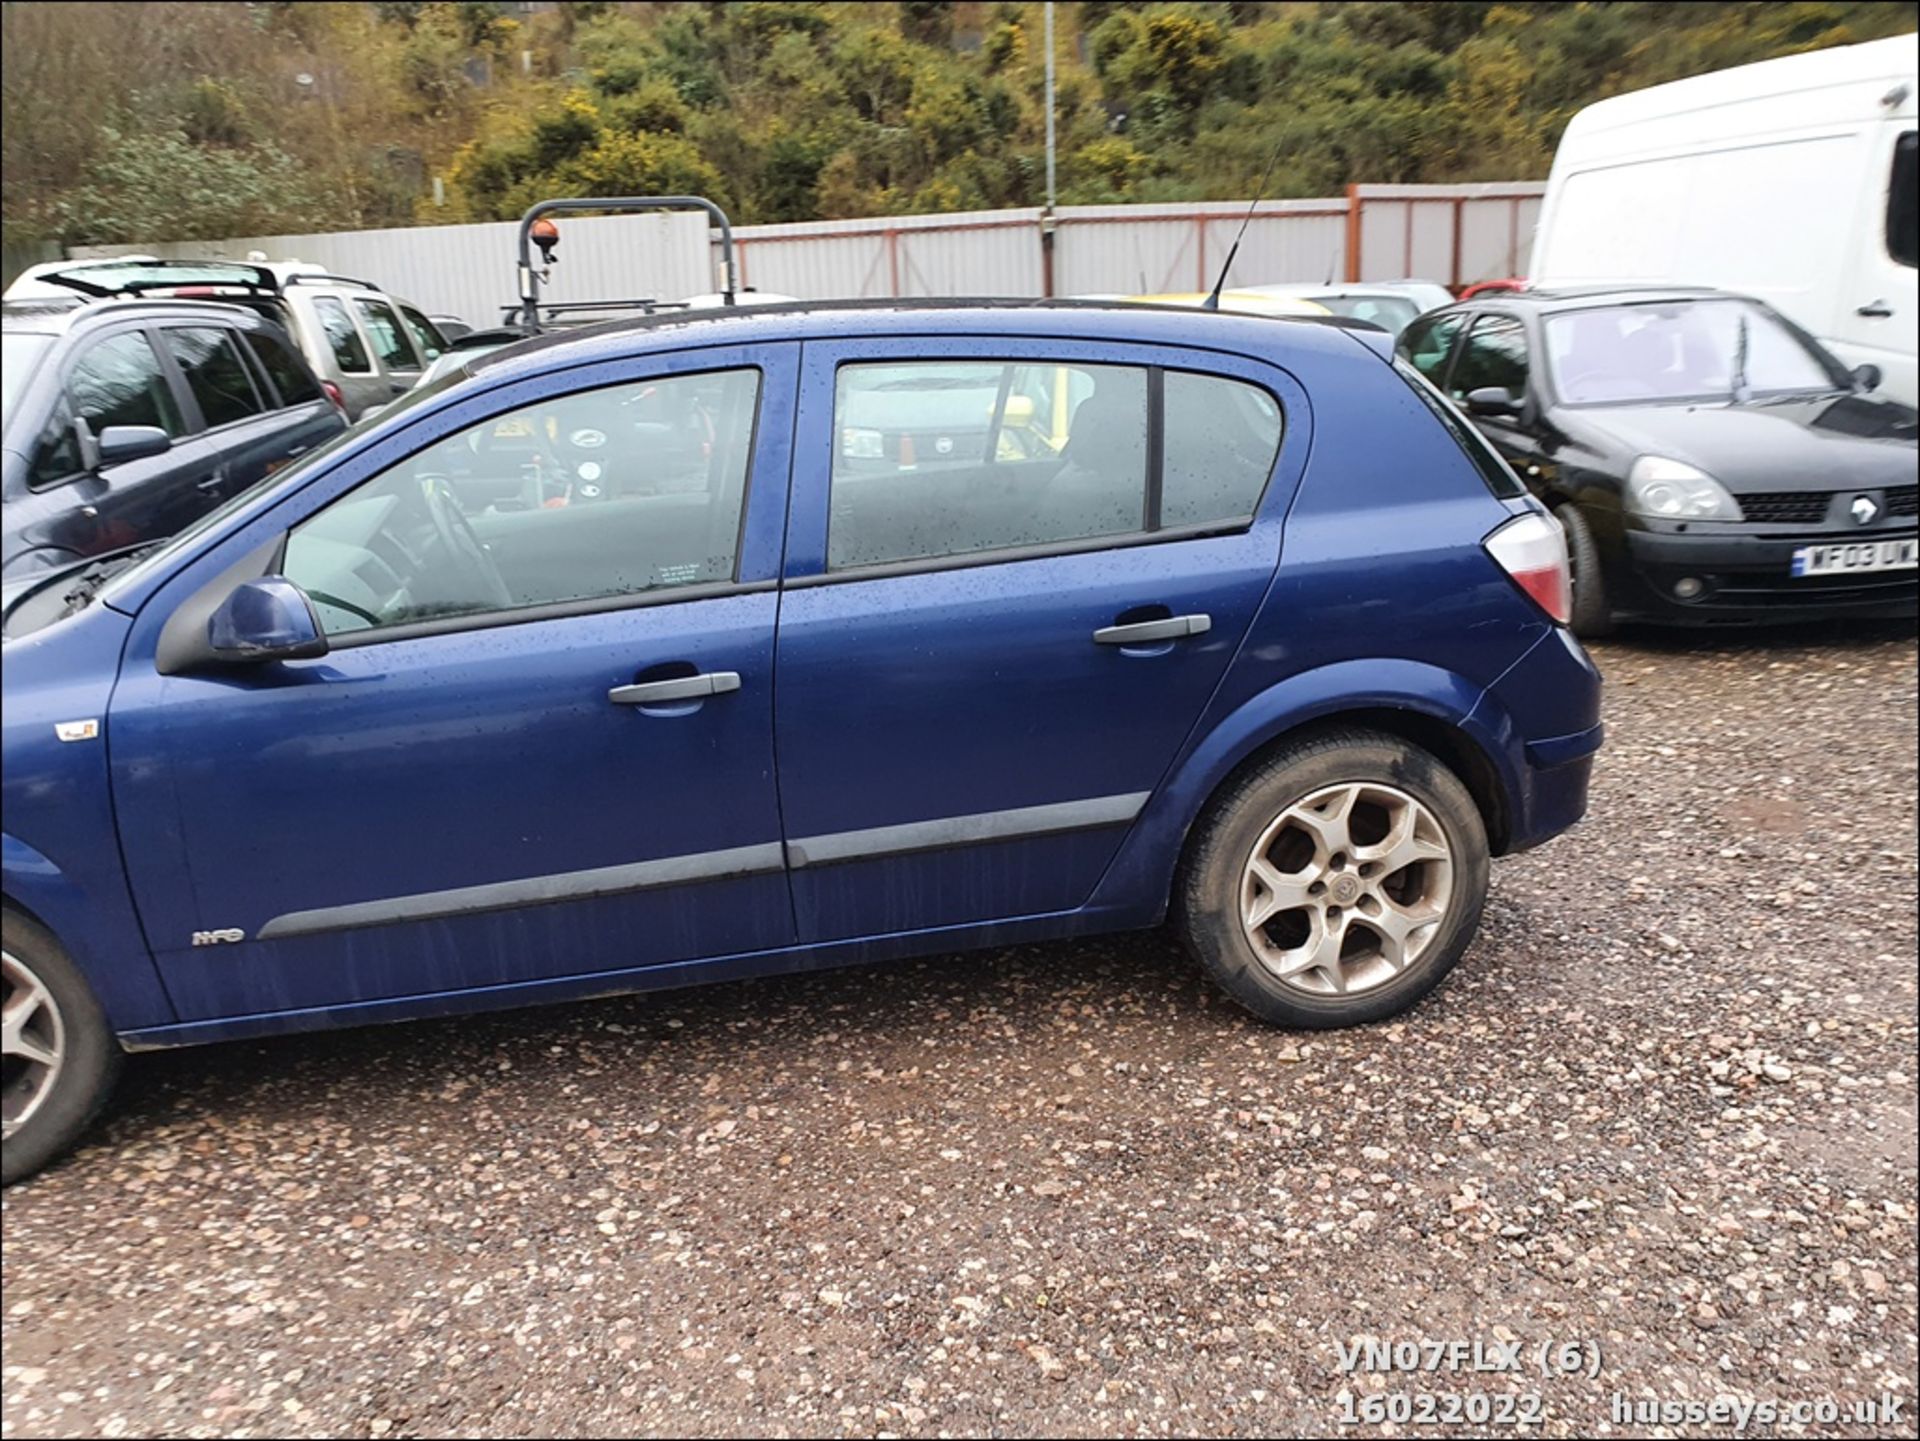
(600, 495)
(1681, 350)
(1495, 357)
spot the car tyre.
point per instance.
(1365, 838)
(1592, 611)
(60, 1056)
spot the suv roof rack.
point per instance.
(325, 279)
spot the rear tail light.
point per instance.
(1532, 549)
(333, 394)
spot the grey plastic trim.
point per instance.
(533, 891)
(964, 830)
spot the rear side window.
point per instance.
(954, 458)
(383, 329)
(348, 353)
(215, 374)
(938, 458)
(1495, 355)
(426, 335)
(120, 382)
(1903, 200)
(289, 375)
(1493, 470)
(1221, 439)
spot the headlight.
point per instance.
(858, 444)
(1673, 490)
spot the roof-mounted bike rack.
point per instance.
(530, 306)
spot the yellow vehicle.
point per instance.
(1246, 301)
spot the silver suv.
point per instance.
(365, 345)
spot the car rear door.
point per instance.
(232, 406)
(541, 745)
(338, 350)
(989, 650)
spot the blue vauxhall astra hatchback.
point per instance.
(708, 647)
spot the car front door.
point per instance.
(1495, 355)
(116, 378)
(994, 639)
(541, 745)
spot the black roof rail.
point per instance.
(324, 279)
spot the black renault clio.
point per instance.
(1710, 461)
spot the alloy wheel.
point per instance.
(1346, 888)
(32, 1043)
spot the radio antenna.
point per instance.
(1212, 302)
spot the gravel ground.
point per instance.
(1665, 1109)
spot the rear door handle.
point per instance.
(1875, 309)
(681, 687)
(1145, 632)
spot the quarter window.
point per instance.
(383, 329)
(289, 375)
(215, 373)
(348, 353)
(601, 495)
(1495, 355)
(426, 335)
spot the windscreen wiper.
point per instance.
(87, 583)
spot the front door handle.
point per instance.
(1145, 632)
(681, 687)
(1875, 310)
(212, 483)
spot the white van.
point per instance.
(1792, 180)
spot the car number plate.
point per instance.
(1857, 556)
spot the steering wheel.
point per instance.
(457, 538)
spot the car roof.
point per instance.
(56, 317)
(1123, 321)
(1581, 297)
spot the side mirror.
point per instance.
(1492, 400)
(1866, 377)
(265, 619)
(120, 443)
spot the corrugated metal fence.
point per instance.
(1455, 234)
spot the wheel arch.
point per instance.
(35, 888)
(1436, 709)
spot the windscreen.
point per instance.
(1681, 350)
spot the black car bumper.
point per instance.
(1748, 578)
